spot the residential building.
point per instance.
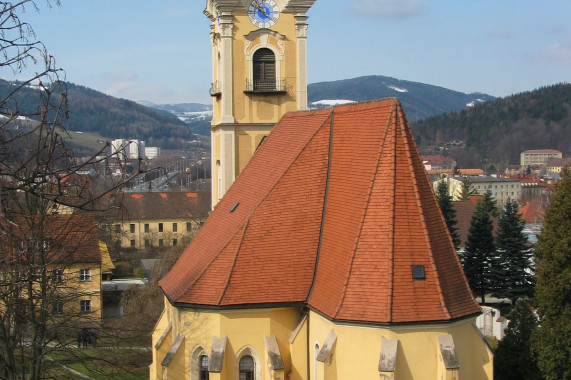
(438, 162)
(555, 165)
(502, 189)
(300, 273)
(538, 156)
(159, 219)
(74, 257)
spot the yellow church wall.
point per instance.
(245, 330)
(357, 350)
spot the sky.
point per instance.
(160, 51)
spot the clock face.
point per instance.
(263, 13)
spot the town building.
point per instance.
(555, 165)
(159, 219)
(300, 273)
(538, 156)
(74, 257)
(259, 74)
(502, 189)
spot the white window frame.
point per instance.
(85, 306)
(84, 275)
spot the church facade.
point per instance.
(326, 260)
(328, 257)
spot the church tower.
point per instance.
(259, 73)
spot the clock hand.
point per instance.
(262, 10)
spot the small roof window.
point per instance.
(418, 272)
(234, 207)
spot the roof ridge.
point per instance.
(357, 240)
(244, 229)
(207, 267)
(419, 205)
(318, 254)
(391, 253)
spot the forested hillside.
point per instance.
(497, 132)
(419, 100)
(93, 111)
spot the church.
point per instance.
(327, 257)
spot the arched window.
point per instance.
(264, 70)
(247, 368)
(203, 365)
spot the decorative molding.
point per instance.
(301, 30)
(226, 30)
(257, 33)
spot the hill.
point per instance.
(93, 111)
(419, 100)
(497, 132)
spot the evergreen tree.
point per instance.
(513, 359)
(513, 277)
(491, 204)
(445, 203)
(480, 250)
(552, 340)
(467, 189)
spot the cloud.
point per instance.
(387, 8)
(558, 52)
(500, 34)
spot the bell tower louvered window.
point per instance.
(264, 65)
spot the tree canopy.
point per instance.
(552, 340)
(448, 211)
(478, 257)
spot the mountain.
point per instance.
(197, 116)
(93, 111)
(497, 132)
(419, 100)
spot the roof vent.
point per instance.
(234, 207)
(418, 272)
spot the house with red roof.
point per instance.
(304, 272)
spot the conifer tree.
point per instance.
(512, 276)
(491, 204)
(480, 250)
(445, 203)
(552, 340)
(513, 359)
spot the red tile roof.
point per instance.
(166, 205)
(332, 212)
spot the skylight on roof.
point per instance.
(418, 272)
(234, 207)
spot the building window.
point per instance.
(57, 275)
(247, 369)
(133, 243)
(160, 227)
(188, 226)
(147, 243)
(132, 228)
(146, 227)
(161, 242)
(174, 227)
(85, 306)
(85, 275)
(57, 307)
(117, 228)
(264, 70)
(203, 361)
(174, 242)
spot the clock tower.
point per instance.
(259, 73)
